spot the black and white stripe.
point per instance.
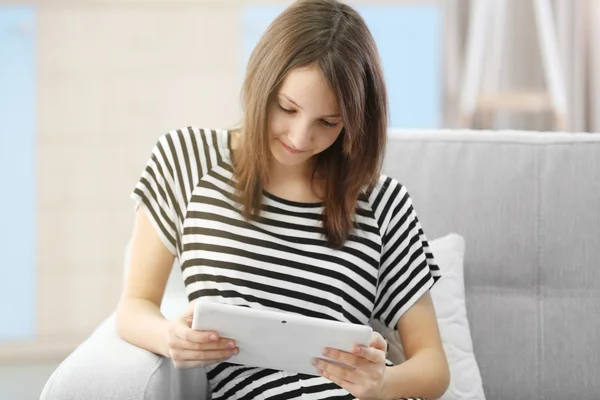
(280, 260)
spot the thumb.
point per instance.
(378, 342)
(188, 314)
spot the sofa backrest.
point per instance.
(528, 206)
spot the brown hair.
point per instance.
(333, 37)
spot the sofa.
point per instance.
(528, 207)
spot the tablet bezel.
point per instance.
(277, 340)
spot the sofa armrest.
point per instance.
(107, 367)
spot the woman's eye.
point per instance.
(285, 110)
(323, 122)
(329, 124)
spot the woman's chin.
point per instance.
(289, 160)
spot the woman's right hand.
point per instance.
(189, 348)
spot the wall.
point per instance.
(17, 189)
(112, 77)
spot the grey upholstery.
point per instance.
(108, 368)
(528, 205)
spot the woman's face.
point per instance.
(304, 117)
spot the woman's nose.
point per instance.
(300, 136)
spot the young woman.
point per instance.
(290, 213)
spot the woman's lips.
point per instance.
(293, 151)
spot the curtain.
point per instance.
(578, 32)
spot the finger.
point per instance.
(194, 336)
(207, 356)
(191, 306)
(376, 351)
(371, 354)
(221, 344)
(351, 360)
(333, 370)
(194, 364)
(378, 342)
(344, 384)
(188, 315)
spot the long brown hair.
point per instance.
(335, 38)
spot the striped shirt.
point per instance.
(280, 260)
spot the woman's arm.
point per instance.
(139, 320)
(425, 373)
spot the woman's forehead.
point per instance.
(307, 88)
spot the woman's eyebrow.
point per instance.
(288, 98)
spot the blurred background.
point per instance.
(87, 87)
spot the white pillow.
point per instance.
(448, 297)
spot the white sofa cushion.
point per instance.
(448, 297)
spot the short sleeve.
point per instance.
(156, 192)
(407, 268)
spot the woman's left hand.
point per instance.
(365, 381)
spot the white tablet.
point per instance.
(277, 340)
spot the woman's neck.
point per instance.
(296, 183)
(297, 173)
